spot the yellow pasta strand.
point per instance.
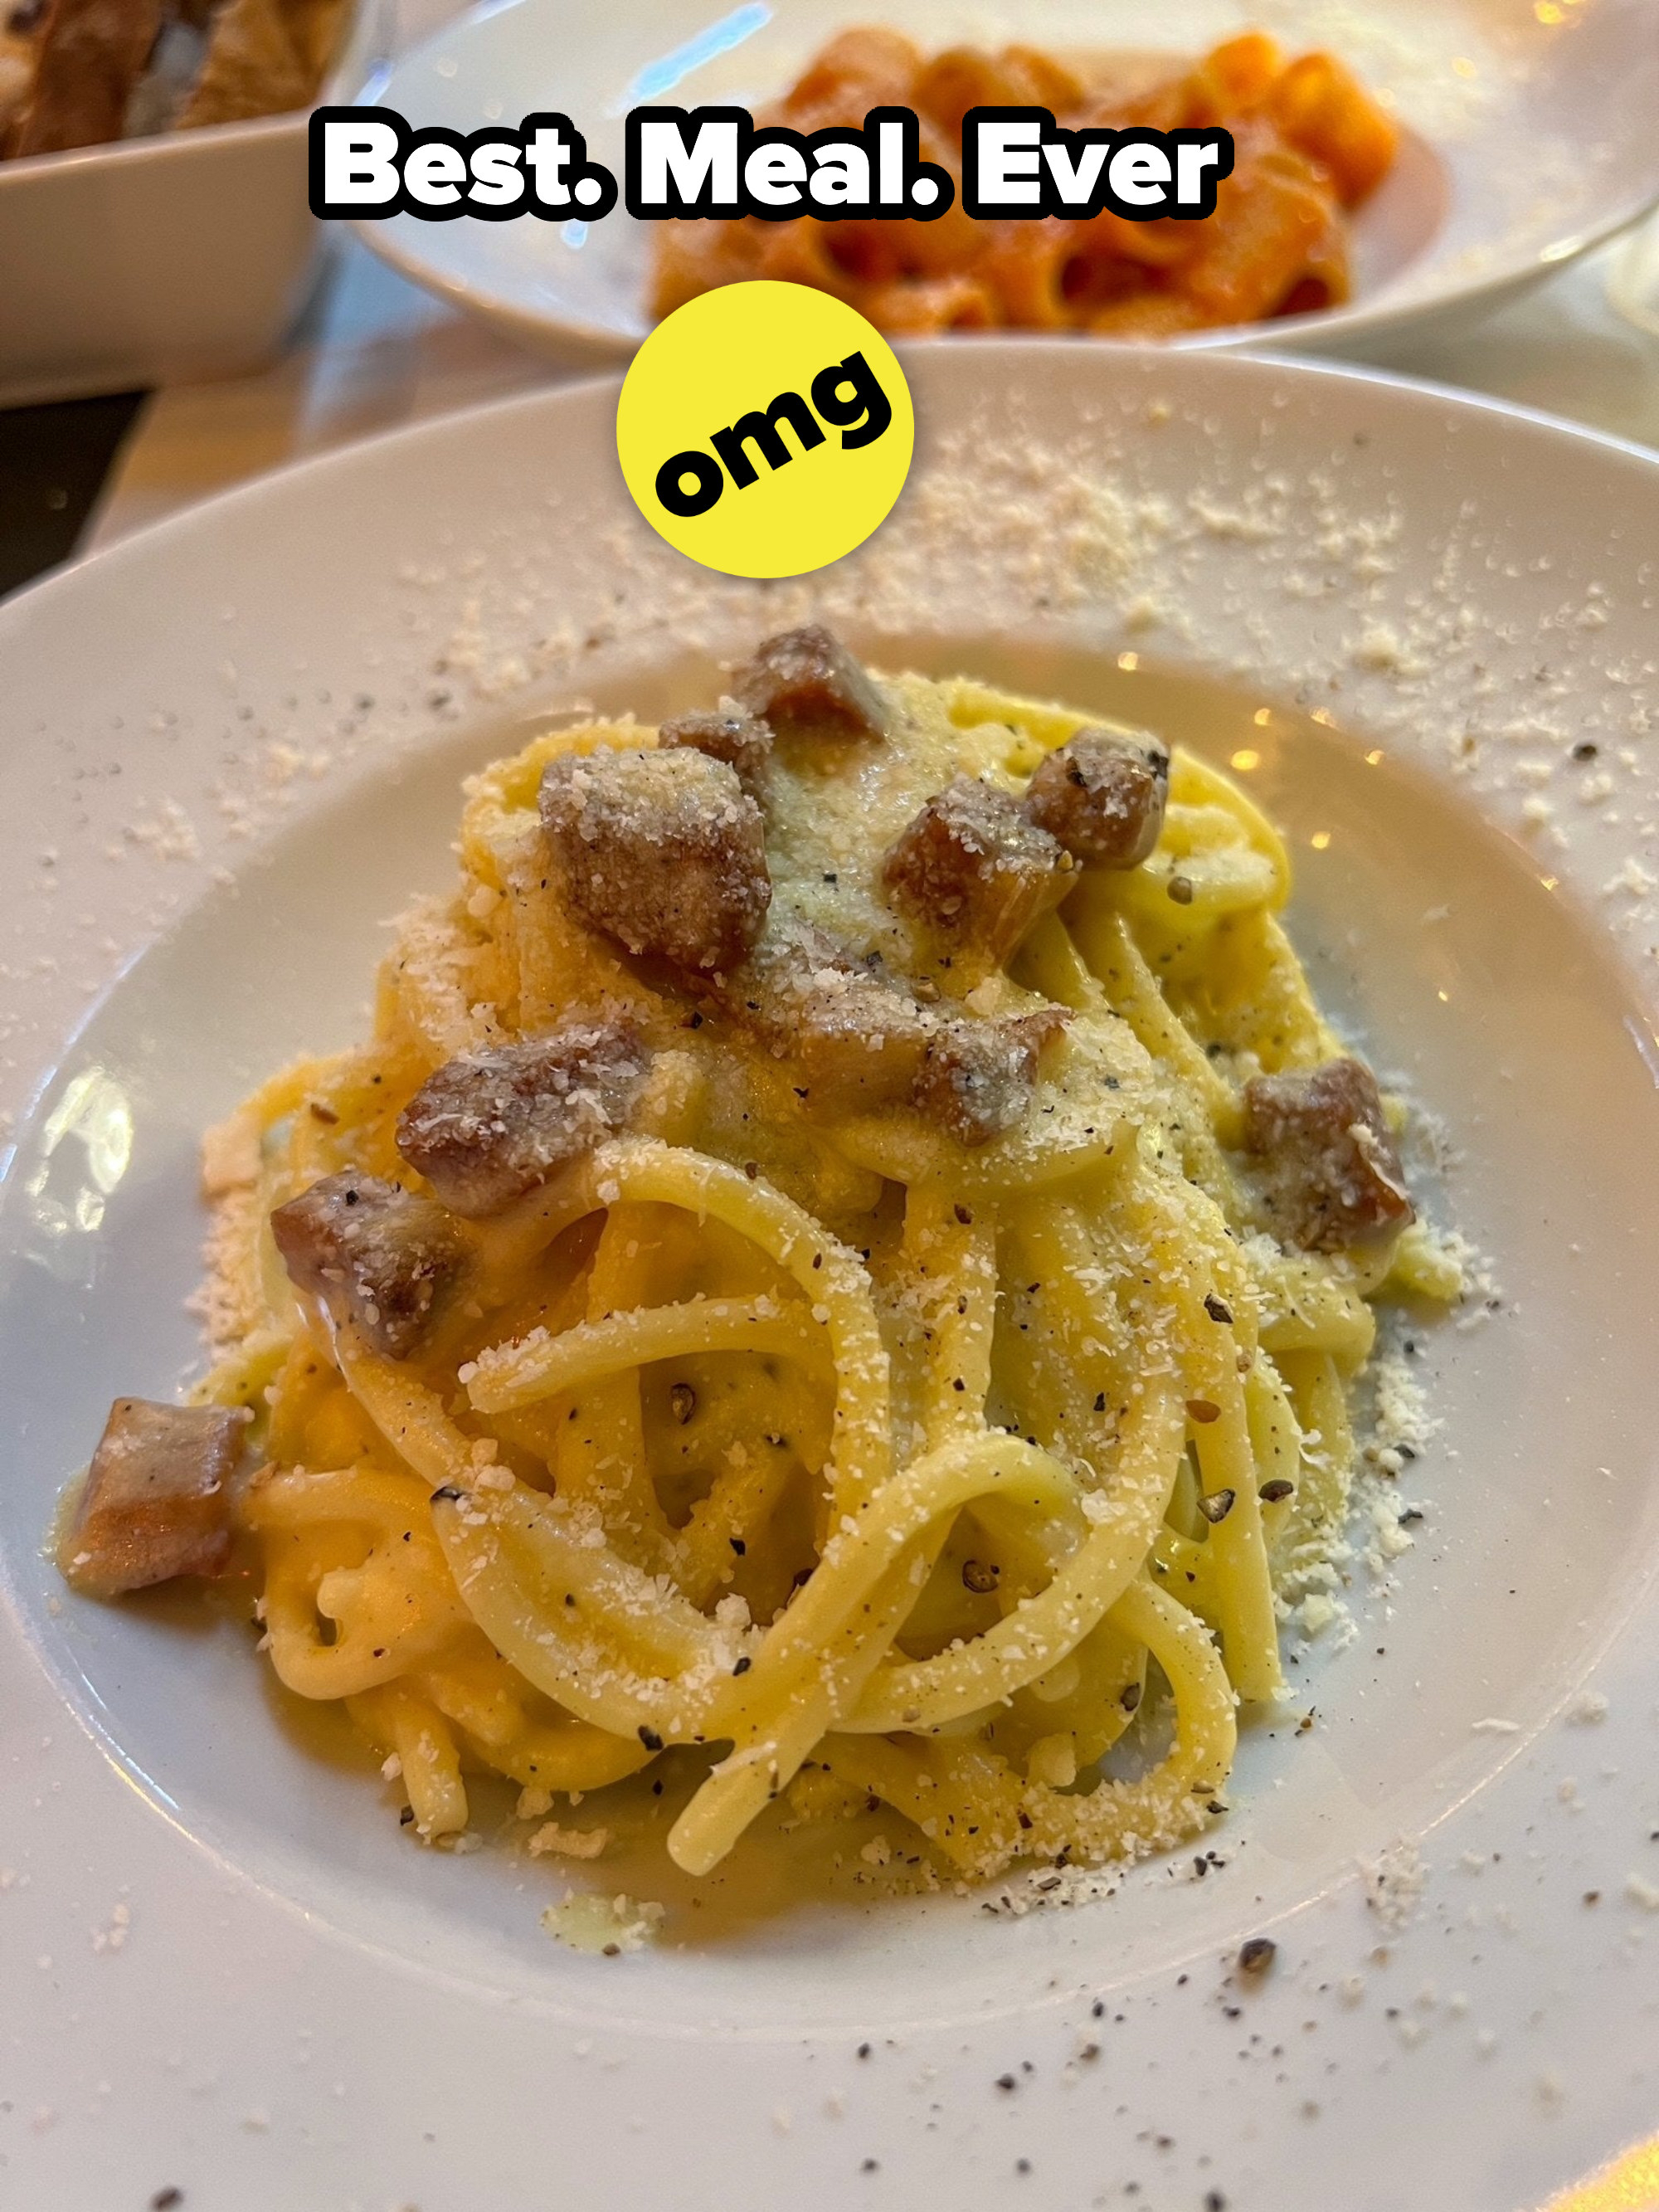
(822, 1448)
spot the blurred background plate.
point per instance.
(1528, 136)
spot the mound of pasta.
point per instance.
(1310, 144)
(841, 1259)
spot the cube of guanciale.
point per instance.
(860, 1047)
(1102, 795)
(857, 1038)
(805, 683)
(492, 1125)
(662, 849)
(972, 867)
(979, 1077)
(377, 1257)
(1329, 1172)
(156, 1501)
(727, 733)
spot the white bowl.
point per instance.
(1527, 137)
(236, 742)
(156, 260)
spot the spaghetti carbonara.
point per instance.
(842, 1257)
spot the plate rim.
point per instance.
(567, 337)
(431, 427)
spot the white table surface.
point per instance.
(373, 352)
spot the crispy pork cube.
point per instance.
(1331, 1175)
(805, 683)
(978, 1077)
(663, 850)
(492, 1125)
(857, 1039)
(727, 733)
(376, 1255)
(861, 1045)
(970, 866)
(156, 1501)
(1101, 794)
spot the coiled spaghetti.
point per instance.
(853, 1460)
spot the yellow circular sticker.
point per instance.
(765, 429)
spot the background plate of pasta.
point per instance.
(913, 1454)
(1400, 164)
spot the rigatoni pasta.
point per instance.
(1310, 144)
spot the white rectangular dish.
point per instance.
(160, 260)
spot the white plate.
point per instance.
(235, 744)
(1528, 136)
